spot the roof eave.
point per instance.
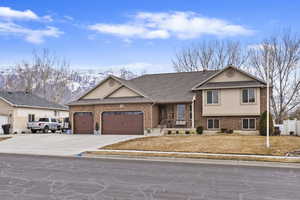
(221, 71)
(41, 107)
(229, 87)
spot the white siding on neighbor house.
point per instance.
(230, 104)
(103, 90)
(21, 116)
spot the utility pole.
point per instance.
(268, 107)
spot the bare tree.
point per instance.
(282, 54)
(215, 54)
(46, 75)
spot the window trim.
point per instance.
(255, 96)
(248, 129)
(213, 123)
(184, 114)
(31, 117)
(191, 111)
(206, 97)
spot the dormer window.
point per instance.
(248, 95)
(212, 97)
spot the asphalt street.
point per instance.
(43, 178)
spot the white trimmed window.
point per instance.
(213, 123)
(249, 123)
(212, 97)
(248, 95)
(31, 118)
(181, 112)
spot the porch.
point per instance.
(175, 115)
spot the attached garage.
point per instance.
(122, 123)
(3, 120)
(83, 123)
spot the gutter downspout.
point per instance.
(193, 111)
(152, 116)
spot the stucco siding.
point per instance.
(103, 90)
(20, 117)
(230, 104)
(124, 92)
(229, 76)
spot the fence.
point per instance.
(289, 127)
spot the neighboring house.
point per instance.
(214, 99)
(18, 108)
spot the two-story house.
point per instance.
(214, 99)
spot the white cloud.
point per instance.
(47, 18)
(136, 67)
(9, 13)
(182, 25)
(34, 36)
(67, 17)
(8, 26)
(255, 46)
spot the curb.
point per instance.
(199, 154)
(198, 161)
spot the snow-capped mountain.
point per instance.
(80, 80)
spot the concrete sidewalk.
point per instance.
(58, 144)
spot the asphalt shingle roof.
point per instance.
(29, 100)
(171, 87)
(168, 87)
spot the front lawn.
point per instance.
(3, 138)
(235, 144)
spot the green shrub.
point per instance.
(199, 130)
(223, 130)
(263, 124)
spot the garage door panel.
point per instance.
(125, 122)
(83, 123)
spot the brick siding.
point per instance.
(98, 109)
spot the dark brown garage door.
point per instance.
(83, 123)
(127, 123)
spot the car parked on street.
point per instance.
(44, 124)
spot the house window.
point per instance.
(31, 118)
(213, 123)
(180, 112)
(248, 124)
(248, 95)
(191, 111)
(212, 97)
(56, 113)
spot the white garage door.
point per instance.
(3, 120)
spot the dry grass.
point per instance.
(235, 144)
(3, 138)
(138, 154)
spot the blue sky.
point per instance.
(137, 34)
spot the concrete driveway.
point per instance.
(58, 144)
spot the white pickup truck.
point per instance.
(44, 124)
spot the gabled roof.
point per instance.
(196, 87)
(123, 82)
(169, 87)
(24, 99)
